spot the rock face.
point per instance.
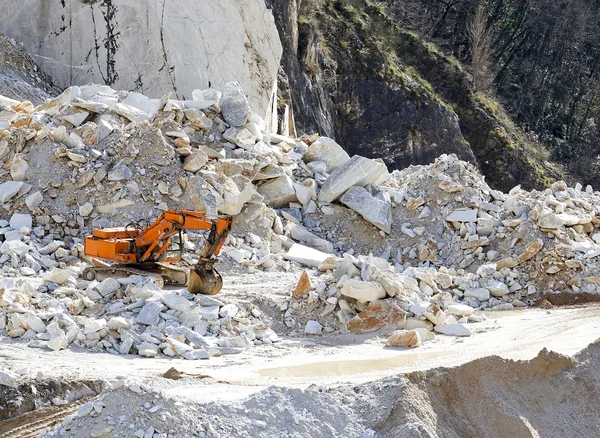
(152, 47)
(338, 88)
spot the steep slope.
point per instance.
(545, 63)
(20, 77)
(384, 91)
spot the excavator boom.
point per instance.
(137, 247)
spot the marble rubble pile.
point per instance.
(421, 248)
(129, 316)
(460, 247)
(128, 409)
(96, 157)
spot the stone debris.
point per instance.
(145, 320)
(456, 249)
(404, 338)
(327, 151)
(374, 209)
(431, 247)
(9, 378)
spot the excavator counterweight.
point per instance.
(135, 249)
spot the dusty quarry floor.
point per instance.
(300, 362)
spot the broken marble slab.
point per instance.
(306, 256)
(373, 210)
(357, 171)
(327, 150)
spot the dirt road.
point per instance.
(513, 335)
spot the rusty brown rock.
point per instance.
(404, 338)
(531, 250)
(303, 286)
(507, 262)
(450, 186)
(376, 316)
(412, 204)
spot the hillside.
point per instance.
(545, 59)
(382, 90)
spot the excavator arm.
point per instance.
(134, 245)
(156, 238)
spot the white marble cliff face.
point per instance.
(152, 46)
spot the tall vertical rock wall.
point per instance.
(152, 46)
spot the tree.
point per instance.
(481, 39)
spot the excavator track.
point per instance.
(102, 273)
(202, 278)
(30, 424)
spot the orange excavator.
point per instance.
(151, 251)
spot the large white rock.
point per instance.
(9, 378)
(453, 330)
(234, 104)
(146, 349)
(229, 310)
(497, 288)
(94, 325)
(118, 322)
(236, 192)
(460, 309)
(159, 47)
(18, 168)
(357, 171)
(195, 161)
(108, 286)
(240, 137)
(278, 192)
(404, 338)
(58, 340)
(434, 314)
(549, 221)
(306, 256)
(31, 322)
(18, 221)
(34, 200)
(177, 346)
(15, 247)
(150, 313)
(58, 276)
(364, 291)
(313, 328)
(205, 98)
(327, 150)
(196, 355)
(177, 302)
(462, 215)
(373, 210)
(9, 189)
(301, 234)
(480, 293)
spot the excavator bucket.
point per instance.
(204, 278)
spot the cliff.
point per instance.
(151, 47)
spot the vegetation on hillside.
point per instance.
(340, 39)
(546, 65)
